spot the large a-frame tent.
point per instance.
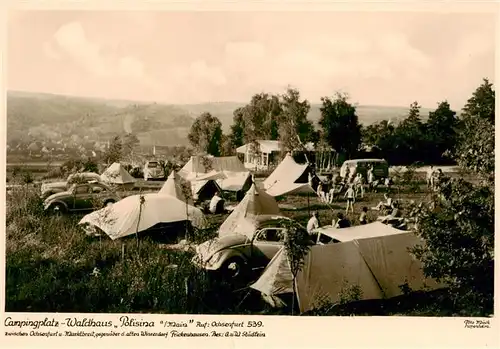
(378, 266)
(244, 217)
(289, 178)
(172, 187)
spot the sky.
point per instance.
(378, 58)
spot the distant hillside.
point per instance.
(53, 116)
(50, 117)
(367, 114)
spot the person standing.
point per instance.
(360, 185)
(327, 188)
(370, 176)
(430, 177)
(320, 192)
(349, 194)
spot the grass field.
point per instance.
(53, 266)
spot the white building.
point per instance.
(261, 158)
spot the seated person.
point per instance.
(362, 217)
(216, 204)
(395, 214)
(341, 222)
(387, 204)
(313, 223)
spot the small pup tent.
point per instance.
(244, 217)
(117, 175)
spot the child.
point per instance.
(362, 217)
(349, 194)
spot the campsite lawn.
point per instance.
(51, 266)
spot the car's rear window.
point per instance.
(152, 165)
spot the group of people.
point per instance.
(353, 184)
(340, 222)
(388, 205)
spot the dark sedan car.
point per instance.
(81, 197)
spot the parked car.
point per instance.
(236, 255)
(81, 197)
(153, 170)
(49, 189)
(380, 167)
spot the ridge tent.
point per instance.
(289, 178)
(228, 171)
(117, 175)
(244, 217)
(126, 217)
(378, 264)
(204, 189)
(201, 189)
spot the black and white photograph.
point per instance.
(294, 163)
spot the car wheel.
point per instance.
(234, 268)
(58, 209)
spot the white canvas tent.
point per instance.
(126, 217)
(172, 187)
(288, 178)
(377, 265)
(244, 217)
(116, 174)
(229, 172)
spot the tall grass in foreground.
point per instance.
(52, 266)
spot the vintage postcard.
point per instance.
(249, 174)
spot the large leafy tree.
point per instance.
(236, 137)
(257, 120)
(409, 134)
(340, 125)
(129, 142)
(114, 151)
(294, 127)
(206, 134)
(458, 229)
(476, 139)
(440, 131)
(482, 103)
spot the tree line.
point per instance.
(284, 117)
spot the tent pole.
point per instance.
(187, 220)
(308, 207)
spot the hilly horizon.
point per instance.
(49, 116)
